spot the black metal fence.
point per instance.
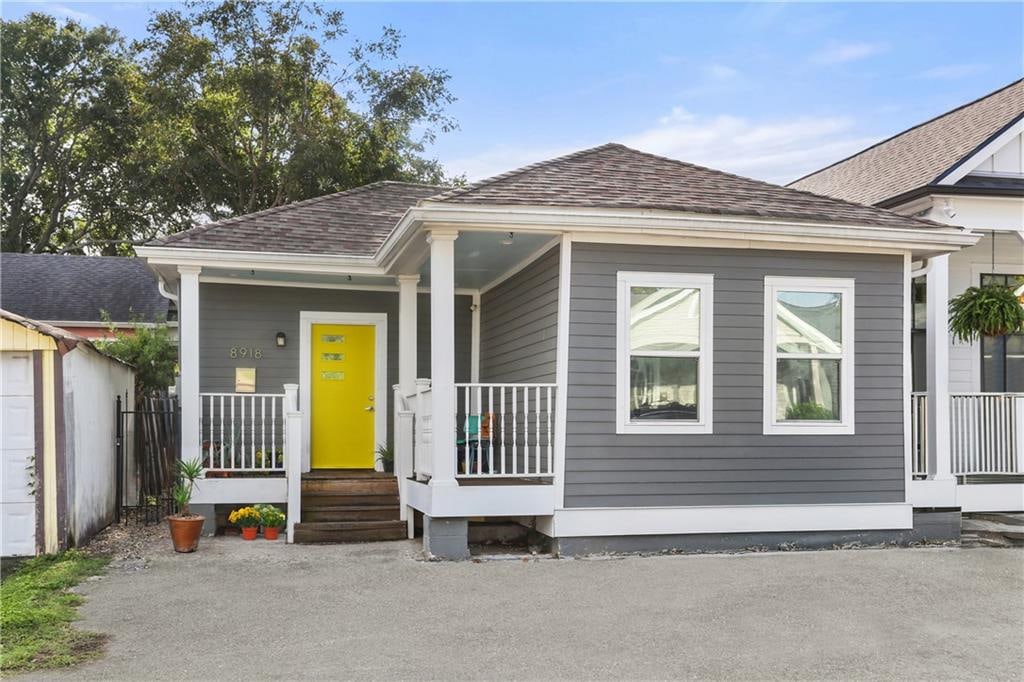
(148, 450)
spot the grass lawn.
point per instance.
(36, 612)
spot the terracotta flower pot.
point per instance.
(185, 531)
(271, 533)
(249, 532)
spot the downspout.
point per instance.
(161, 285)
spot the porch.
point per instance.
(986, 453)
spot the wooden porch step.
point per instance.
(349, 531)
(344, 474)
(319, 499)
(351, 486)
(351, 512)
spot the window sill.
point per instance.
(828, 429)
(662, 428)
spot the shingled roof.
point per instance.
(920, 156)
(354, 222)
(616, 176)
(57, 288)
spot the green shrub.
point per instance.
(809, 412)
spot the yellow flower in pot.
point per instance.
(248, 519)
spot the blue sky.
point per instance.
(766, 90)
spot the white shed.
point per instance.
(57, 436)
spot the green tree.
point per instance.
(150, 349)
(68, 127)
(252, 111)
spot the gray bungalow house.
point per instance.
(617, 350)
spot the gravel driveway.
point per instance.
(261, 610)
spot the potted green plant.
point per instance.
(248, 519)
(272, 519)
(185, 526)
(990, 310)
(386, 457)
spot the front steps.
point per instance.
(349, 505)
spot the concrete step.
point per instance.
(350, 512)
(349, 531)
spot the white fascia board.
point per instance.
(629, 224)
(251, 260)
(974, 160)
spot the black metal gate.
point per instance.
(148, 449)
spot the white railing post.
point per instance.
(404, 418)
(1018, 433)
(293, 456)
(442, 355)
(422, 426)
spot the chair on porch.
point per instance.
(469, 446)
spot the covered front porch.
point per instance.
(464, 334)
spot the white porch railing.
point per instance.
(505, 430)
(987, 433)
(242, 431)
(919, 431)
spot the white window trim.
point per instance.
(703, 282)
(845, 425)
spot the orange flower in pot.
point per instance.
(248, 519)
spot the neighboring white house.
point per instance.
(57, 433)
(966, 168)
(624, 352)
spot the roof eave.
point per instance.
(269, 261)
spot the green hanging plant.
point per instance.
(990, 310)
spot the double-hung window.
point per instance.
(808, 355)
(663, 367)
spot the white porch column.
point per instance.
(442, 354)
(188, 360)
(474, 353)
(407, 332)
(939, 460)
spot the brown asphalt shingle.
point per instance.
(615, 176)
(352, 223)
(920, 156)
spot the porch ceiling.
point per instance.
(482, 257)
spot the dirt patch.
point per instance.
(129, 542)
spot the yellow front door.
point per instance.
(342, 399)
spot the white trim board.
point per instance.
(393, 288)
(307, 319)
(974, 160)
(595, 522)
(562, 363)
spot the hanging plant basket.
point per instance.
(991, 310)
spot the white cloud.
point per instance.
(722, 72)
(842, 53)
(67, 12)
(777, 150)
(952, 71)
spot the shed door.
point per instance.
(17, 446)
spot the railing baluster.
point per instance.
(551, 444)
(515, 431)
(479, 432)
(273, 431)
(526, 430)
(536, 401)
(502, 392)
(490, 429)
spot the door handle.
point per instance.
(369, 408)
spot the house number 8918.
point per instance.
(243, 352)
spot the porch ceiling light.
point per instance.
(507, 241)
(280, 340)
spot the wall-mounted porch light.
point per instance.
(280, 340)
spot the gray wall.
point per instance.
(519, 325)
(250, 316)
(735, 465)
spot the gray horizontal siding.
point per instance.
(736, 464)
(250, 316)
(519, 325)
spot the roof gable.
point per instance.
(921, 155)
(616, 176)
(354, 222)
(58, 288)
